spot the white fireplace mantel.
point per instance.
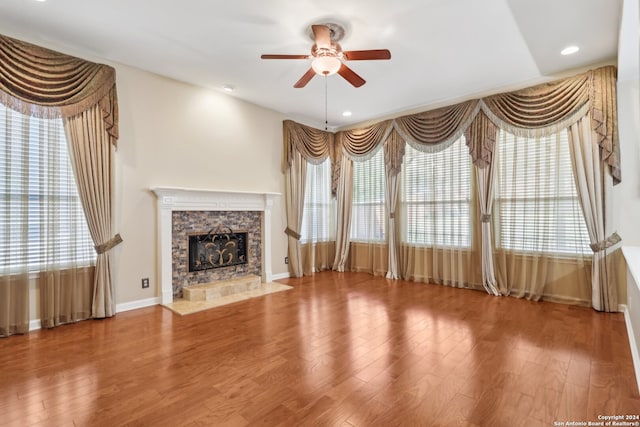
(186, 199)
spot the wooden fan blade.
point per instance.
(284, 56)
(351, 76)
(360, 55)
(322, 35)
(305, 79)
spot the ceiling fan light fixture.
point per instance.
(326, 65)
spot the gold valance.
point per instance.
(360, 144)
(313, 144)
(435, 130)
(532, 112)
(42, 83)
(544, 106)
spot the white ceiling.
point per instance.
(442, 51)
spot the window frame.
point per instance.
(25, 165)
(468, 201)
(328, 207)
(500, 201)
(383, 232)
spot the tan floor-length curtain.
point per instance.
(594, 185)
(65, 295)
(318, 234)
(540, 238)
(301, 145)
(392, 232)
(295, 181)
(14, 273)
(343, 224)
(14, 304)
(481, 139)
(437, 211)
(91, 153)
(393, 154)
(46, 84)
(368, 251)
(318, 256)
(46, 237)
(485, 184)
(66, 276)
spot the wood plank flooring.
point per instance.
(340, 349)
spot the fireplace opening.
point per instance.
(220, 247)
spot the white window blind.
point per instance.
(318, 218)
(536, 204)
(435, 197)
(42, 224)
(368, 211)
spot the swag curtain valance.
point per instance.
(42, 83)
(532, 112)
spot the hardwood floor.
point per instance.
(340, 349)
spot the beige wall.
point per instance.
(627, 193)
(178, 135)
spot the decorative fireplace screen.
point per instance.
(220, 247)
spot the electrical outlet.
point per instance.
(145, 283)
(286, 260)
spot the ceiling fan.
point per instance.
(327, 55)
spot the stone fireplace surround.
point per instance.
(186, 223)
(172, 199)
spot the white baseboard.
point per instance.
(126, 306)
(34, 325)
(635, 356)
(280, 276)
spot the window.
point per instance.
(42, 223)
(536, 204)
(435, 197)
(318, 218)
(368, 211)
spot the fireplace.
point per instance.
(217, 258)
(220, 247)
(182, 212)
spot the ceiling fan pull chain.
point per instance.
(326, 122)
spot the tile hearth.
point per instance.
(216, 294)
(221, 288)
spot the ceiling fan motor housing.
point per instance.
(335, 50)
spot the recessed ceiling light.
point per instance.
(346, 114)
(569, 50)
(228, 88)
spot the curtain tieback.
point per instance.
(606, 243)
(392, 215)
(291, 233)
(486, 217)
(109, 244)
